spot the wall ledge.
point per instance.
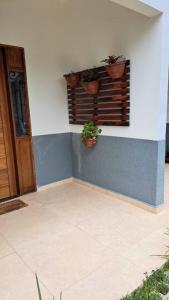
(146, 8)
(54, 184)
(114, 195)
(123, 198)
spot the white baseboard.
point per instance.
(54, 184)
(121, 197)
(109, 193)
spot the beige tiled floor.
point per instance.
(90, 246)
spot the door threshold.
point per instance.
(8, 199)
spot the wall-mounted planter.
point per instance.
(90, 133)
(92, 88)
(106, 102)
(72, 79)
(89, 143)
(116, 70)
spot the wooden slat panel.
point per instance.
(115, 86)
(103, 87)
(113, 105)
(102, 93)
(101, 99)
(112, 123)
(112, 117)
(109, 80)
(110, 107)
(107, 123)
(86, 117)
(81, 106)
(81, 101)
(100, 105)
(80, 111)
(100, 111)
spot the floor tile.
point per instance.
(80, 205)
(63, 262)
(111, 281)
(146, 253)
(21, 228)
(17, 282)
(80, 241)
(116, 225)
(5, 248)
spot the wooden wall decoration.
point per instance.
(111, 106)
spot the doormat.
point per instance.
(11, 205)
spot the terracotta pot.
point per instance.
(92, 88)
(116, 71)
(89, 143)
(72, 79)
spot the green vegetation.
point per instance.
(113, 59)
(153, 287)
(39, 291)
(90, 131)
(89, 76)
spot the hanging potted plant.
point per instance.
(116, 66)
(72, 79)
(90, 82)
(89, 134)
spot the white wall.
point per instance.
(62, 35)
(32, 24)
(168, 106)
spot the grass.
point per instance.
(153, 287)
(39, 290)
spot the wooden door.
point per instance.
(15, 62)
(8, 183)
(17, 175)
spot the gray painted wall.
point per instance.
(53, 157)
(132, 167)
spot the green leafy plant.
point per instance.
(90, 131)
(140, 295)
(38, 287)
(39, 291)
(153, 286)
(166, 254)
(89, 76)
(113, 59)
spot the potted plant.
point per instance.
(72, 79)
(90, 82)
(90, 133)
(116, 66)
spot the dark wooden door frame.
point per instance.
(14, 58)
(7, 159)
